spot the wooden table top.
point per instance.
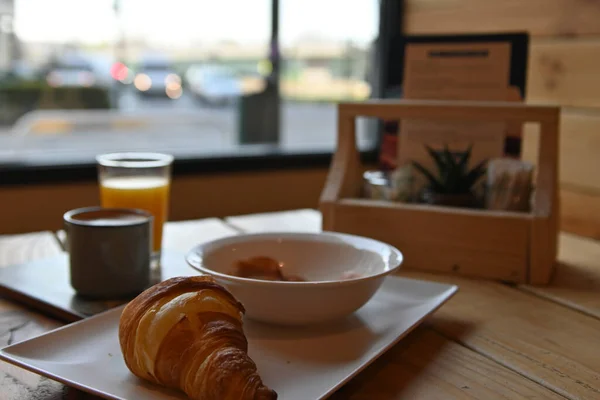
(490, 341)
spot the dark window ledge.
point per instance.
(62, 168)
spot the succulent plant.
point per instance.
(453, 175)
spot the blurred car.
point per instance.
(156, 76)
(214, 84)
(70, 72)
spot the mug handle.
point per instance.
(63, 237)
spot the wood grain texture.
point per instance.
(468, 242)
(544, 341)
(578, 147)
(18, 324)
(539, 17)
(16, 249)
(560, 71)
(494, 245)
(447, 110)
(546, 211)
(305, 220)
(425, 365)
(579, 183)
(564, 72)
(183, 235)
(550, 344)
(576, 282)
(343, 179)
(192, 197)
(580, 212)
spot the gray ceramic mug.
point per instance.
(109, 251)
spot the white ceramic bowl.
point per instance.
(321, 259)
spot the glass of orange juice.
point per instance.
(141, 181)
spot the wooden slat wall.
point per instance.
(551, 18)
(564, 69)
(40, 207)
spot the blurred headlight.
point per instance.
(172, 79)
(174, 93)
(142, 82)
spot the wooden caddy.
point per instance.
(508, 246)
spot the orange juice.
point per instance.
(146, 193)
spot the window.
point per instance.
(196, 78)
(325, 48)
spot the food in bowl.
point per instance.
(339, 273)
(265, 268)
(187, 333)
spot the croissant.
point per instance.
(186, 333)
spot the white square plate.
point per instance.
(298, 363)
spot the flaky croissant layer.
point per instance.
(187, 333)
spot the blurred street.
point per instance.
(58, 80)
(302, 124)
(161, 124)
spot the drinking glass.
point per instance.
(140, 181)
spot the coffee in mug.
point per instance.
(109, 251)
